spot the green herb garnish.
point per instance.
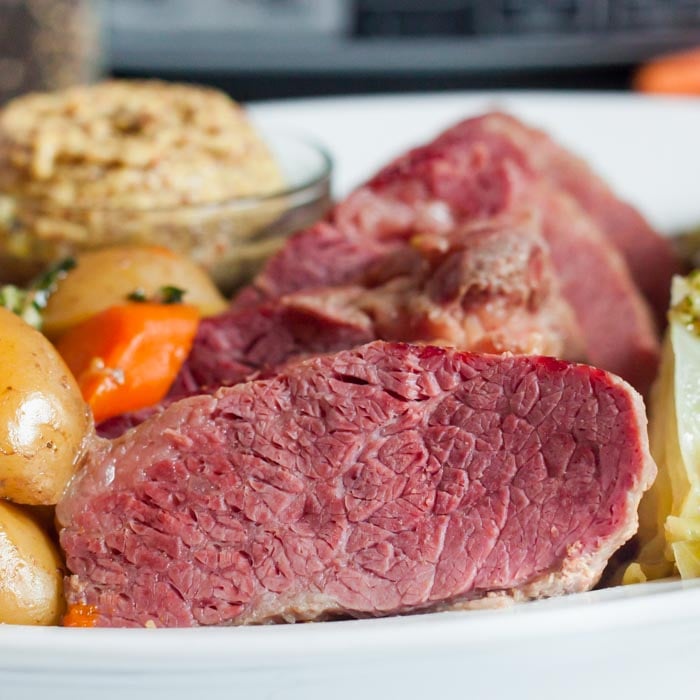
(171, 295)
(165, 295)
(30, 302)
(137, 295)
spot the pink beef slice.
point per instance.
(473, 173)
(386, 479)
(360, 232)
(649, 256)
(237, 346)
(488, 288)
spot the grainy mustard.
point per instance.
(128, 162)
(132, 145)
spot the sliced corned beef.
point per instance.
(649, 256)
(386, 479)
(488, 288)
(483, 168)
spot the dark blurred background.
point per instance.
(270, 48)
(258, 49)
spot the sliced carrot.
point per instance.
(677, 73)
(127, 356)
(80, 616)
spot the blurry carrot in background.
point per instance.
(126, 357)
(675, 74)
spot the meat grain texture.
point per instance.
(492, 166)
(381, 480)
(490, 238)
(487, 287)
(321, 481)
(649, 257)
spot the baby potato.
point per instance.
(106, 277)
(43, 418)
(31, 571)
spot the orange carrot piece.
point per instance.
(80, 616)
(127, 356)
(677, 73)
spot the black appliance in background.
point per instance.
(259, 49)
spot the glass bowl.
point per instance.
(230, 239)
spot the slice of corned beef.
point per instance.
(649, 256)
(473, 173)
(416, 194)
(361, 231)
(237, 346)
(617, 325)
(487, 288)
(386, 479)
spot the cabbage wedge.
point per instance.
(669, 515)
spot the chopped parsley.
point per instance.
(30, 302)
(172, 295)
(165, 295)
(137, 295)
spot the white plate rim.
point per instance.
(600, 611)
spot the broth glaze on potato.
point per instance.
(106, 277)
(43, 418)
(31, 571)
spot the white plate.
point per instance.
(639, 642)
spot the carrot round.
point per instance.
(126, 357)
(80, 616)
(677, 73)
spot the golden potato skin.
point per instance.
(31, 571)
(43, 418)
(105, 277)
